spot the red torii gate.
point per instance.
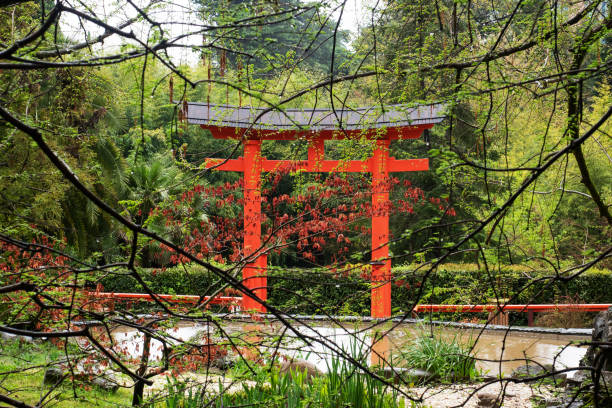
(252, 125)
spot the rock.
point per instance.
(226, 361)
(576, 379)
(528, 370)
(575, 404)
(21, 338)
(297, 364)
(563, 402)
(401, 374)
(602, 332)
(84, 368)
(53, 376)
(553, 402)
(16, 337)
(488, 400)
(418, 375)
(223, 363)
(108, 383)
(535, 370)
(579, 377)
(395, 374)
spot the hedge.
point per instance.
(347, 292)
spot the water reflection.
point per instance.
(318, 343)
(129, 341)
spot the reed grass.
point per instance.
(344, 385)
(444, 357)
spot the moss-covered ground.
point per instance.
(22, 368)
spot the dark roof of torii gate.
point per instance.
(317, 120)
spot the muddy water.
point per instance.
(490, 346)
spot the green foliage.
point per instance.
(182, 394)
(16, 354)
(301, 33)
(342, 386)
(318, 291)
(23, 366)
(444, 357)
(178, 280)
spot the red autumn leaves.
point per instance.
(321, 218)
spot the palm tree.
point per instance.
(89, 231)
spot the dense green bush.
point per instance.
(347, 292)
(179, 280)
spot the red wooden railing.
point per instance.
(529, 309)
(232, 301)
(513, 308)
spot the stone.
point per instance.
(564, 405)
(223, 363)
(84, 368)
(418, 375)
(553, 402)
(575, 404)
(108, 383)
(53, 376)
(602, 332)
(297, 364)
(16, 337)
(401, 374)
(488, 400)
(535, 370)
(576, 378)
(557, 402)
(105, 380)
(395, 374)
(528, 370)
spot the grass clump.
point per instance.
(443, 356)
(182, 395)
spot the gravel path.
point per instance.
(466, 395)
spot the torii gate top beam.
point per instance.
(232, 122)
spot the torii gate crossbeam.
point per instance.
(241, 123)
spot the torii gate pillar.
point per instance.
(254, 272)
(381, 264)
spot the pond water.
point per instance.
(489, 346)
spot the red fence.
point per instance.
(234, 302)
(230, 301)
(502, 317)
(512, 308)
